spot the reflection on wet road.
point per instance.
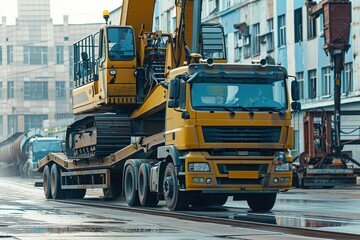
(331, 210)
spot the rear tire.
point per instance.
(56, 191)
(260, 202)
(146, 197)
(47, 182)
(131, 195)
(174, 198)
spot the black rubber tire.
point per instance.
(174, 198)
(261, 202)
(56, 191)
(131, 195)
(79, 193)
(218, 200)
(146, 197)
(47, 182)
(205, 201)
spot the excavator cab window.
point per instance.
(120, 43)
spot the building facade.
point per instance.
(36, 69)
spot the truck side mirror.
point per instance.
(174, 92)
(295, 94)
(296, 106)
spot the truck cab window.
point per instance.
(239, 92)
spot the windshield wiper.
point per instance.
(273, 109)
(244, 109)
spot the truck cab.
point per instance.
(38, 148)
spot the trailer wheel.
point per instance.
(174, 198)
(56, 191)
(47, 182)
(78, 193)
(131, 194)
(146, 197)
(259, 202)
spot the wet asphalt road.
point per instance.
(25, 214)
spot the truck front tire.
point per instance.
(174, 198)
(261, 202)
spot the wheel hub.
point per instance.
(169, 187)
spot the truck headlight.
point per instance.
(283, 167)
(199, 167)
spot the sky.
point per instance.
(79, 11)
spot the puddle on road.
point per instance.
(88, 229)
(292, 221)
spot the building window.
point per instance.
(326, 76)
(270, 35)
(0, 57)
(168, 23)
(256, 35)
(59, 54)
(211, 6)
(1, 126)
(237, 49)
(311, 27)
(71, 62)
(10, 55)
(173, 24)
(300, 79)
(35, 90)
(312, 85)
(298, 25)
(157, 23)
(66, 38)
(35, 55)
(12, 124)
(10, 90)
(60, 90)
(34, 121)
(282, 30)
(348, 78)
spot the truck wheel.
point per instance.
(259, 202)
(47, 182)
(78, 193)
(174, 198)
(204, 201)
(131, 195)
(56, 191)
(146, 197)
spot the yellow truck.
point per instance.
(205, 129)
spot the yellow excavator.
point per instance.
(206, 129)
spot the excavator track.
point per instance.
(98, 136)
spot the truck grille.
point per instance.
(241, 134)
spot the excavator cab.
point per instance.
(104, 71)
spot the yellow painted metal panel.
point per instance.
(244, 174)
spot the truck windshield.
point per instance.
(47, 146)
(239, 94)
(121, 43)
